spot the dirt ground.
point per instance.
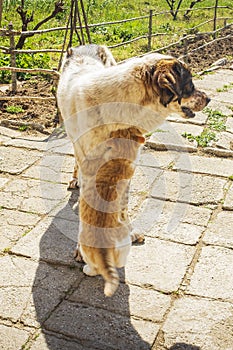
(40, 116)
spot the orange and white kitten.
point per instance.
(104, 239)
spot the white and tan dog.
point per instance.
(107, 109)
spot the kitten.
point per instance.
(104, 238)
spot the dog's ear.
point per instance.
(170, 81)
(69, 52)
(106, 56)
(102, 54)
(168, 76)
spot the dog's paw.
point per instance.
(137, 237)
(78, 256)
(73, 184)
(88, 271)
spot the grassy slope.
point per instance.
(108, 10)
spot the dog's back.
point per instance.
(77, 62)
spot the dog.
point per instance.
(107, 110)
(93, 55)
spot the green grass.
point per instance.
(216, 119)
(226, 87)
(204, 139)
(108, 10)
(216, 122)
(14, 109)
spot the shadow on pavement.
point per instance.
(183, 346)
(71, 308)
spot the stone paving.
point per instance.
(176, 292)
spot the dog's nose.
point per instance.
(208, 100)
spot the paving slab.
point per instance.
(221, 107)
(30, 291)
(15, 161)
(229, 124)
(228, 202)
(178, 222)
(101, 328)
(214, 81)
(160, 159)
(169, 137)
(189, 187)
(53, 240)
(201, 324)
(32, 195)
(3, 181)
(48, 341)
(203, 165)
(53, 168)
(144, 303)
(13, 225)
(219, 231)
(225, 141)
(225, 97)
(12, 338)
(200, 119)
(212, 275)
(159, 264)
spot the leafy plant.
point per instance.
(216, 119)
(23, 128)
(225, 88)
(14, 109)
(40, 60)
(204, 139)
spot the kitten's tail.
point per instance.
(111, 276)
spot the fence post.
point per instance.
(12, 58)
(215, 17)
(1, 6)
(150, 30)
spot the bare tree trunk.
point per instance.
(58, 7)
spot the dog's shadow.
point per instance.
(71, 308)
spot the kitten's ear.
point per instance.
(139, 139)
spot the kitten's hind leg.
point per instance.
(89, 271)
(78, 256)
(137, 237)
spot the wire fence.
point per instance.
(148, 36)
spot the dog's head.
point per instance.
(171, 80)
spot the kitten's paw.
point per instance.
(88, 271)
(137, 237)
(73, 184)
(78, 256)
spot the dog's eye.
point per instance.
(169, 93)
(188, 89)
